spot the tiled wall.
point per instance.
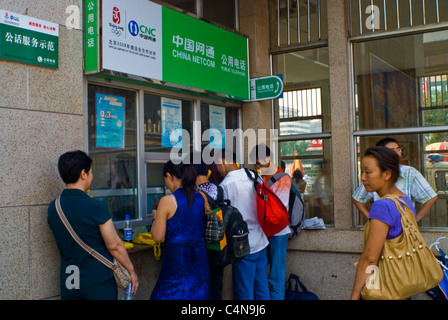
(41, 116)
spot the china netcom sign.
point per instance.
(148, 40)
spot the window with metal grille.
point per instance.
(434, 99)
(300, 111)
(368, 16)
(298, 21)
(434, 91)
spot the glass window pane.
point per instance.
(305, 106)
(395, 15)
(155, 185)
(230, 119)
(312, 158)
(112, 147)
(301, 21)
(428, 153)
(402, 90)
(282, 13)
(154, 124)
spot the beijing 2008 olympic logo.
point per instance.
(116, 15)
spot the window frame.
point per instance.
(142, 157)
(325, 133)
(409, 31)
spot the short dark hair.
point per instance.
(260, 152)
(201, 168)
(387, 160)
(71, 164)
(226, 154)
(383, 142)
(297, 174)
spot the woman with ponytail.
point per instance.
(179, 220)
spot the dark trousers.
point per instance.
(105, 291)
(216, 275)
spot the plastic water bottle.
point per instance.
(127, 293)
(127, 229)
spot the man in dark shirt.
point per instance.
(91, 221)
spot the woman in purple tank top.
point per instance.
(379, 172)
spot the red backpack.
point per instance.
(272, 214)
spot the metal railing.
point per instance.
(289, 15)
(394, 14)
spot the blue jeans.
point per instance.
(277, 259)
(250, 281)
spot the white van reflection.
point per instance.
(436, 173)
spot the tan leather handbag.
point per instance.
(407, 266)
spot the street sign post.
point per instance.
(266, 88)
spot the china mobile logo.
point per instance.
(116, 15)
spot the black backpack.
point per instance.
(236, 231)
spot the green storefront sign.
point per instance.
(145, 39)
(91, 36)
(201, 55)
(28, 40)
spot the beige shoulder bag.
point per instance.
(406, 266)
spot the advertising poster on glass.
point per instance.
(171, 120)
(110, 121)
(217, 117)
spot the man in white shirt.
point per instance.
(250, 273)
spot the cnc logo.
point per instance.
(145, 32)
(116, 15)
(133, 28)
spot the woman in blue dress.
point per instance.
(179, 220)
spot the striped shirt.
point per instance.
(410, 182)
